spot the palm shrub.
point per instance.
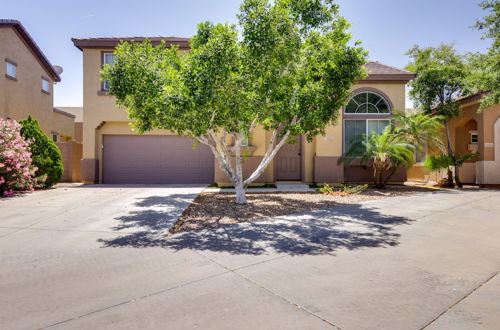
(446, 162)
(388, 151)
(45, 153)
(420, 130)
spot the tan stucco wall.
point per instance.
(469, 119)
(64, 125)
(24, 97)
(99, 110)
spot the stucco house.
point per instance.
(27, 81)
(113, 153)
(472, 132)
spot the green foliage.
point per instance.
(46, 156)
(484, 76)
(419, 129)
(438, 162)
(342, 189)
(388, 151)
(443, 162)
(484, 69)
(291, 69)
(440, 79)
(490, 25)
(326, 189)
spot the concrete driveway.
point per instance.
(98, 257)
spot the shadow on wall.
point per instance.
(320, 232)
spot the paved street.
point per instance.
(99, 257)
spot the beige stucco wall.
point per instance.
(101, 116)
(24, 97)
(64, 125)
(480, 169)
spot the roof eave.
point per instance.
(389, 77)
(19, 28)
(90, 43)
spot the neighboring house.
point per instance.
(77, 112)
(113, 153)
(472, 132)
(27, 82)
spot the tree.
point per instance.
(445, 162)
(420, 130)
(45, 153)
(289, 71)
(440, 81)
(484, 75)
(16, 169)
(388, 151)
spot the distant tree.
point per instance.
(289, 71)
(441, 74)
(485, 67)
(44, 152)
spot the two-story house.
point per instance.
(27, 82)
(113, 153)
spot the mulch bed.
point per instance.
(213, 209)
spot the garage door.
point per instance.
(155, 159)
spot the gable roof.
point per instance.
(376, 70)
(37, 52)
(183, 43)
(380, 71)
(76, 111)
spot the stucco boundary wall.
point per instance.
(71, 156)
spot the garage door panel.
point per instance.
(155, 159)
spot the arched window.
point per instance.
(367, 103)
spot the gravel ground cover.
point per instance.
(213, 209)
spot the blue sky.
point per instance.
(386, 28)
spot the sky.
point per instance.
(386, 28)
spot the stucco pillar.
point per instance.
(89, 163)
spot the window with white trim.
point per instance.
(11, 70)
(354, 128)
(474, 139)
(367, 103)
(45, 85)
(359, 112)
(107, 58)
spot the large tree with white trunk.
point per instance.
(288, 69)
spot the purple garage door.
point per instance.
(155, 159)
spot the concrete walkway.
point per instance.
(98, 257)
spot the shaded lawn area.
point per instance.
(214, 209)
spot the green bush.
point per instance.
(45, 153)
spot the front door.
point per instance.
(288, 161)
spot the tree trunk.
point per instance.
(452, 155)
(393, 170)
(2, 189)
(238, 184)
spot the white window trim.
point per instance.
(366, 129)
(7, 64)
(368, 114)
(477, 138)
(103, 64)
(48, 85)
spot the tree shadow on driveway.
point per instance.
(354, 226)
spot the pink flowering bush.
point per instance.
(16, 171)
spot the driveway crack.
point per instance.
(234, 271)
(460, 300)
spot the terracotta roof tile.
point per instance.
(380, 71)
